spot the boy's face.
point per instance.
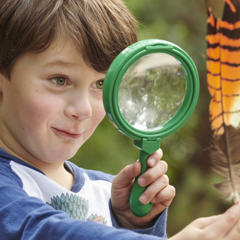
(51, 105)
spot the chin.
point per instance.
(59, 155)
(61, 152)
(64, 156)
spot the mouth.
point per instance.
(66, 134)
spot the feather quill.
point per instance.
(223, 77)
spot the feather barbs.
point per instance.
(226, 163)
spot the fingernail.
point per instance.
(141, 181)
(151, 162)
(143, 199)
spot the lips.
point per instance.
(66, 134)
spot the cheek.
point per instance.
(99, 113)
(37, 112)
(97, 117)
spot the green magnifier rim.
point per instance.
(115, 75)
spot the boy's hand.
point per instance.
(159, 192)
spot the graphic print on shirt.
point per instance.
(76, 207)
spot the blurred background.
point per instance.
(182, 22)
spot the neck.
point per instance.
(61, 176)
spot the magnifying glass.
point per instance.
(150, 90)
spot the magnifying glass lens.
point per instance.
(152, 91)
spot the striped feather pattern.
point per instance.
(223, 67)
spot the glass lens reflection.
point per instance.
(152, 91)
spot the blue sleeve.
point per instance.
(158, 229)
(27, 218)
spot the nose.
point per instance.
(79, 107)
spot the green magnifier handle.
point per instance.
(137, 208)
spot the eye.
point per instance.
(99, 84)
(59, 81)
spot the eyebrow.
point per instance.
(57, 62)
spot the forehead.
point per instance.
(60, 56)
(60, 51)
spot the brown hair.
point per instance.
(100, 29)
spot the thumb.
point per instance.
(126, 176)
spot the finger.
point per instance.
(154, 189)
(225, 223)
(203, 222)
(155, 158)
(152, 174)
(165, 196)
(127, 175)
(234, 234)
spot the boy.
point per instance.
(53, 58)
